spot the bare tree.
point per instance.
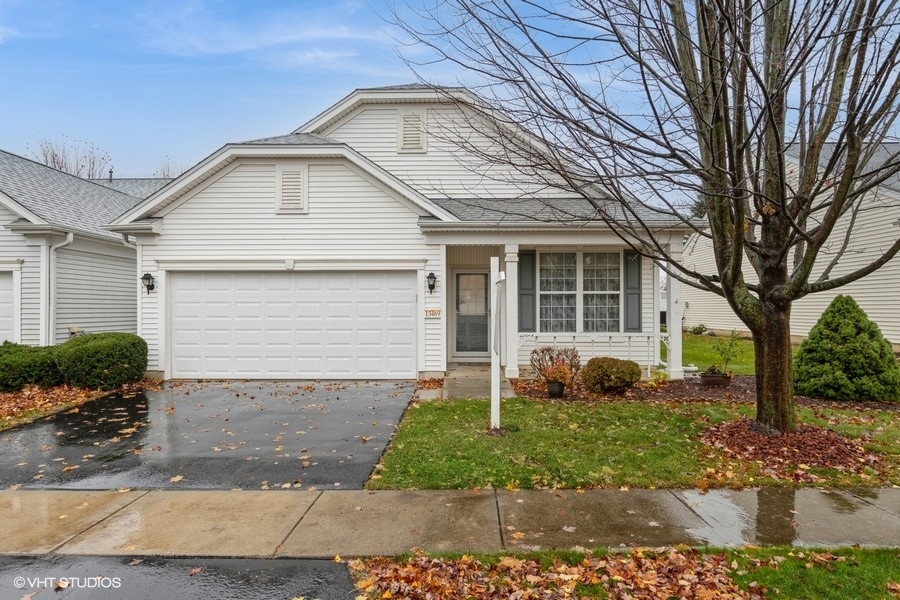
(170, 168)
(73, 156)
(775, 117)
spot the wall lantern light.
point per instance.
(148, 280)
(431, 279)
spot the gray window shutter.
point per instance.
(632, 291)
(527, 291)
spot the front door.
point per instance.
(471, 314)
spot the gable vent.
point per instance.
(293, 188)
(412, 132)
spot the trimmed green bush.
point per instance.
(610, 375)
(27, 365)
(102, 360)
(846, 357)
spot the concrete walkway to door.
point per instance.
(468, 381)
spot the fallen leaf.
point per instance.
(195, 571)
(176, 478)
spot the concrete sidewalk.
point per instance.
(322, 524)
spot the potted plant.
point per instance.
(556, 366)
(557, 376)
(727, 349)
(714, 376)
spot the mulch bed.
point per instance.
(742, 389)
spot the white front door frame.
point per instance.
(453, 302)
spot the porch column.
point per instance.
(674, 368)
(511, 267)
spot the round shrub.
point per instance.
(102, 360)
(846, 357)
(27, 365)
(610, 375)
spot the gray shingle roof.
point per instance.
(885, 152)
(299, 139)
(536, 210)
(137, 187)
(61, 199)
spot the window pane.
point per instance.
(601, 272)
(558, 272)
(558, 312)
(601, 312)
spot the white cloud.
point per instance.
(195, 29)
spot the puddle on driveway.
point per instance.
(212, 435)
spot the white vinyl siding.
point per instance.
(446, 170)
(352, 223)
(95, 288)
(13, 248)
(876, 294)
(7, 308)
(294, 325)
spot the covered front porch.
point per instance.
(604, 300)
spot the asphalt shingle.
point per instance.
(61, 199)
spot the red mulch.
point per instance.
(789, 456)
(742, 389)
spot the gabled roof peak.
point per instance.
(412, 93)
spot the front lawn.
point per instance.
(447, 445)
(698, 350)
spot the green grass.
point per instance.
(860, 574)
(698, 350)
(446, 445)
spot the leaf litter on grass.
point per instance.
(642, 573)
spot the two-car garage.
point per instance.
(293, 325)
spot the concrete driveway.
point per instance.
(212, 435)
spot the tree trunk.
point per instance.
(774, 372)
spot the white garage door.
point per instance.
(294, 325)
(6, 307)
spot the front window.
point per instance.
(579, 291)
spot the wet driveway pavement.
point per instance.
(98, 578)
(212, 435)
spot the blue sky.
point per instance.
(146, 79)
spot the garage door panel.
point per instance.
(294, 325)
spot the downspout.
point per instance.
(139, 307)
(50, 321)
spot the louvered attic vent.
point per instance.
(412, 132)
(292, 188)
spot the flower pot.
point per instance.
(555, 389)
(715, 379)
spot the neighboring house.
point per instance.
(877, 227)
(359, 246)
(58, 268)
(139, 187)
